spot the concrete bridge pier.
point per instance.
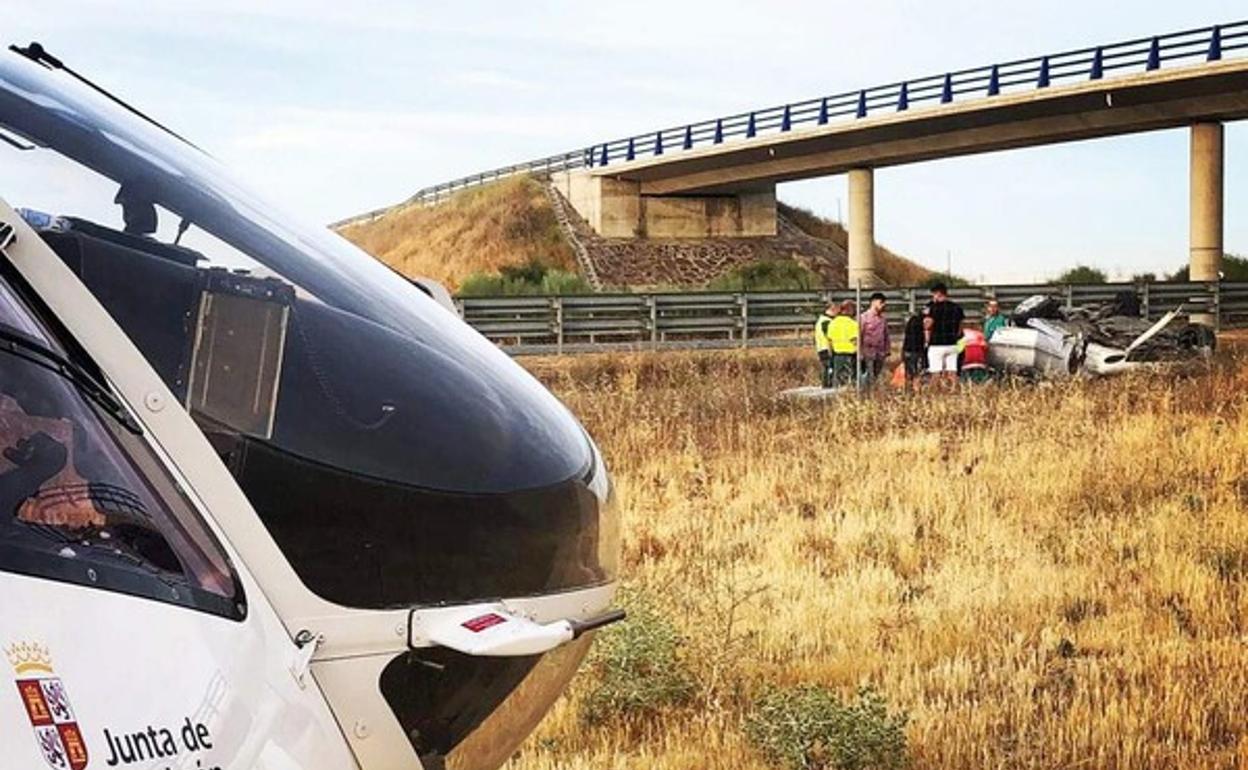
(1205, 261)
(1206, 213)
(861, 259)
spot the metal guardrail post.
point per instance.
(911, 303)
(558, 305)
(744, 300)
(1070, 297)
(653, 307)
(1144, 300)
(1216, 289)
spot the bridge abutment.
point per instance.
(616, 208)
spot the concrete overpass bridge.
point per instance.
(718, 177)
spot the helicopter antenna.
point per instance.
(39, 55)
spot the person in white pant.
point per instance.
(942, 327)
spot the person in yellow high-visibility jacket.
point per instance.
(843, 339)
(823, 344)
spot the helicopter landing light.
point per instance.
(492, 630)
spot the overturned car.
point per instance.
(1049, 340)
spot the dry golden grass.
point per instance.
(476, 231)
(892, 268)
(1041, 576)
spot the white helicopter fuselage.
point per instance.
(260, 646)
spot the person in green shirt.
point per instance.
(993, 320)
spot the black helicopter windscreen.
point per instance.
(318, 357)
(467, 387)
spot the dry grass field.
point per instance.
(1052, 576)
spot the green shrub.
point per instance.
(948, 279)
(1234, 268)
(530, 272)
(563, 282)
(635, 669)
(482, 285)
(532, 277)
(1082, 274)
(810, 728)
(766, 275)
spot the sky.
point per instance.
(335, 108)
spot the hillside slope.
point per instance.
(476, 231)
(513, 223)
(893, 269)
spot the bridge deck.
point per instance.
(1087, 110)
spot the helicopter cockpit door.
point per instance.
(162, 662)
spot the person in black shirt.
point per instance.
(942, 328)
(913, 347)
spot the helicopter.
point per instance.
(264, 502)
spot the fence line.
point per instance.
(1206, 44)
(582, 323)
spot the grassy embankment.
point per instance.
(508, 224)
(1038, 576)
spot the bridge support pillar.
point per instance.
(1206, 206)
(1206, 201)
(861, 268)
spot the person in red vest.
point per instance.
(974, 356)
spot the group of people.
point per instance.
(855, 347)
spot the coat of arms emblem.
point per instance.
(47, 704)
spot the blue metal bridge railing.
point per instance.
(1207, 44)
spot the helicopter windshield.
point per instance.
(373, 431)
(81, 498)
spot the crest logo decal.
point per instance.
(47, 705)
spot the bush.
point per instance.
(1082, 274)
(563, 282)
(532, 277)
(766, 275)
(635, 669)
(810, 728)
(948, 279)
(530, 272)
(1234, 268)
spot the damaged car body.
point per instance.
(1048, 340)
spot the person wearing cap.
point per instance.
(876, 344)
(823, 345)
(843, 336)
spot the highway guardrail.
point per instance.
(576, 323)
